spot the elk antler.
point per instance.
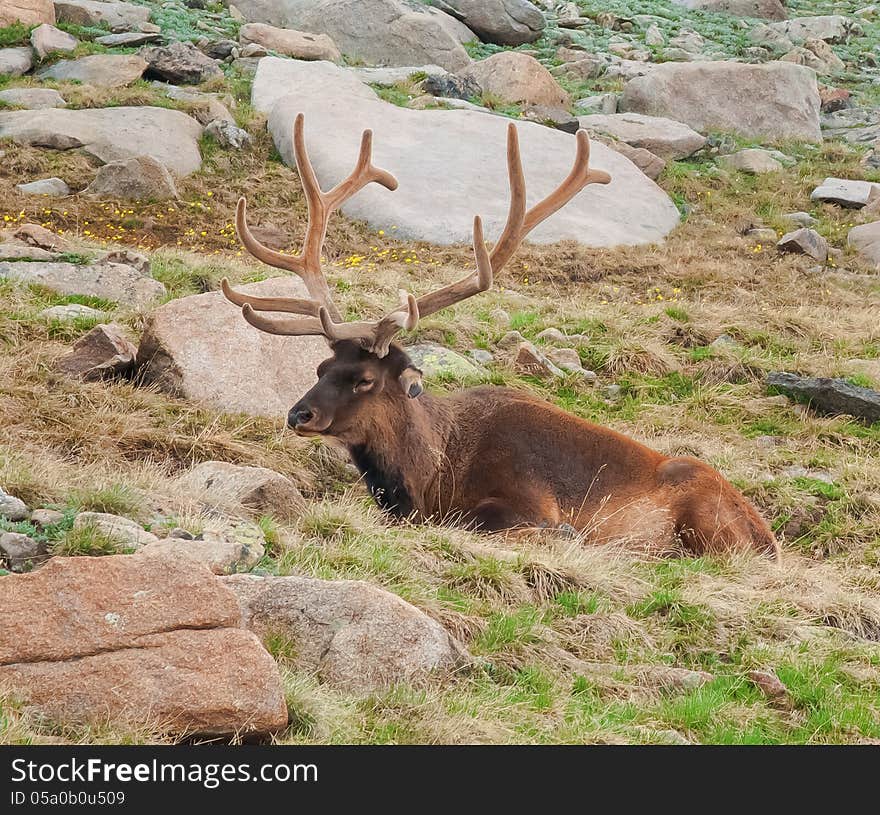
(321, 316)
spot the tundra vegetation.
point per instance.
(570, 643)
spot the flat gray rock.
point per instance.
(109, 281)
(114, 134)
(663, 137)
(777, 100)
(451, 164)
(828, 27)
(100, 70)
(865, 239)
(32, 98)
(46, 39)
(116, 16)
(45, 186)
(503, 22)
(128, 39)
(846, 193)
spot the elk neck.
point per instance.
(400, 448)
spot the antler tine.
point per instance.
(285, 327)
(363, 173)
(291, 305)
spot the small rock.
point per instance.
(865, 240)
(689, 41)
(45, 186)
(800, 218)
(529, 360)
(798, 471)
(649, 163)
(829, 396)
(224, 549)
(517, 77)
(180, 63)
(12, 508)
(846, 193)
(762, 234)
(46, 517)
(510, 339)
(254, 50)
(612, 392)
(552, 117)
(104, 351)
(32, 98)
(141, 178)
(220, 485)
(128, 257)
(451, 86)
(805, 241)
(71, 312)
(552, 335)
(42, 238)
(101, 70)
(654, 36)
(128, 39)
(435, 361)
(46, 39)
(602, 103)
(16, 61)
(724, 341)
(752, 160)
(227, 134)
(220, 49)
(481, 356)
(500, 317)
(290, 43)
(123, 531)
(770, 684)
(20, 551)
(566, 358)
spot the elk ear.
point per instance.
(411, 382)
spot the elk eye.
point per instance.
(363, 385)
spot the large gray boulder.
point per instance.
(829, 396)
(32, 98)
(16, 61)
(380, 32)
(766, 9)
(504, 22)
(201, 348)
(519, 78)
(777, 100)
(451, 164)
(101, 70)
(29, 12)
(353, 635)
(865, 240)
(140, 178)
(113, 134)
(829, 27)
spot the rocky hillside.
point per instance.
(174, 564)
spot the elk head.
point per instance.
(365, 366)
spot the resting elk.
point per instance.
(495, 459)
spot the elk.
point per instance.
(494, 459)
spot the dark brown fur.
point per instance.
(499, 459)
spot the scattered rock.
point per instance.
(565, 358)
(219, 485)
(770, 38)
(688, 40)
(604, 103)
(139, 640)
(46, 39)
(109, 281)
(28, 12)
(529, 360)
(46, 517)
(798, 471)
(552, 117)
(753, 161)
(124, 532)
(663, 137)
(104, 351)
(353, 635)
(769, 684)
(511, 339)
(654, 35)
(805, 241)
(612, 392)
(19, 251)
(228, 135)
(221, 548)
(128, 39)
(141, 178)
(250, 372)
(582, 69)
(503, 22)
(180, 63)
(519, 78)
(128, 257)
(254, 51)
(468, 151)
(846, 193)
(101, 70)
(865, 239)
(829, 396)
(12, 508)
(834, 99)
(116, 16)
(645, 160)
(290, 43)
(114, 134)
(801, 218)
(377, 32)
(451, 86)
(20, 551)
(831, 28)
(435, 361)
(815, 54)
(552, 335)
(481, 356)
(386, 77)
(15, 61)
(220, 49)
(777, 100)
(32, 98)
(45, 186)
(71, 312)
(767, 9)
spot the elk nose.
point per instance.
(299, 415)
